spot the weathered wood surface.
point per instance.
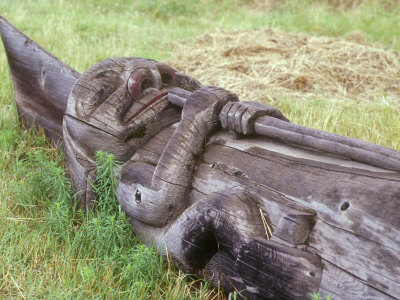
(41, 81)
(273, 218)
(354, 206)
(271, 126)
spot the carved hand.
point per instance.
(204, 105)
(241, 116)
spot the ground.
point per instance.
(331, 65)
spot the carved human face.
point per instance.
(119, 103)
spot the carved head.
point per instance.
(119, 103)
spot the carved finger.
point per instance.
(247, 125)
(223, 116)
(256, 110)
(231, 115)
(238, 118)
(265, 109)
(277, 114)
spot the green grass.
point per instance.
(375, 121)
(50, 250)
(316, 296)
(56, 250)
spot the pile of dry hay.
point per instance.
(264, 65)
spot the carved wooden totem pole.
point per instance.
(228, 189)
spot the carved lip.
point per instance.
(150, 102)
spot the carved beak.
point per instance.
(145, 90)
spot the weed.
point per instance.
(48, 248)
(316, 296)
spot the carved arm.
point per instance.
(164, 197)
(271, 123)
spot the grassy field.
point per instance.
(50, 250)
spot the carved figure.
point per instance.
(274, 211)
(117, 105)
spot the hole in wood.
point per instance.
(138, 133)
(212, 166)
(312, 274)
(138, 196)
(166, 78)
(202, 250)
(345, 206)
(147, 83)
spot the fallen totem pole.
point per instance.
(228, 189)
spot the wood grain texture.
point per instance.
(350, 220)
(275, 211)
(41, 82)
(103, 115)
(357, 223)
(252, 117)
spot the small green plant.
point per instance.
(50, 249)
(105, 228)
(92, 251)
(316, 296)
(232, 296)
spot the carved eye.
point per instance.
(168, 76)
(139, 80)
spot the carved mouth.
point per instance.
(147, 105)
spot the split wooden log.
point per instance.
(275, 216)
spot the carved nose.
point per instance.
(117, 104)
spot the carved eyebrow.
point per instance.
(107, 74)
(102, 85)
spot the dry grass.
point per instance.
(34, 263)
(350, 4)
(263, 64)
(332, 4)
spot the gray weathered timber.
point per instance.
(41, 81)
(275, 211)
(274, 127)
(352, 207)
